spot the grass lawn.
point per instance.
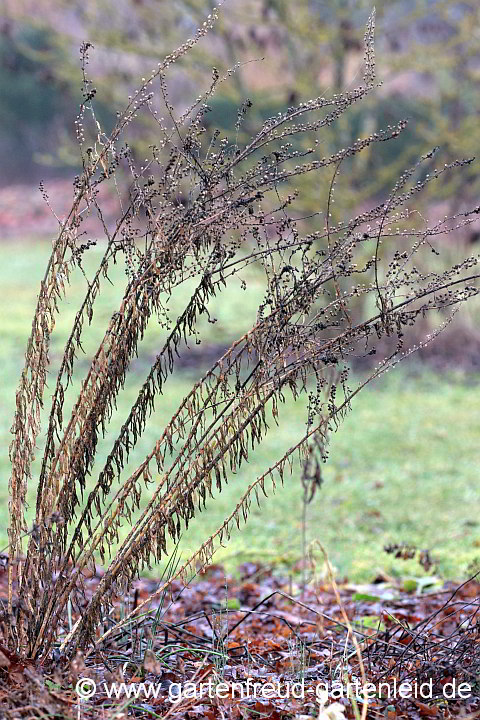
(403, 467)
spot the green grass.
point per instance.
(403, 467)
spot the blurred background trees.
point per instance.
(428, 59)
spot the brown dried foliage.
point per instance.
(230, 216)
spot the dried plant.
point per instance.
(205, 209)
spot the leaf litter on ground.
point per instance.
(248, 631)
